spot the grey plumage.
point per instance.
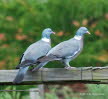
(33, 52)
(65, 51)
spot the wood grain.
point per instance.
(57, 76)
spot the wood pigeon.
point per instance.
(65, 51)
(33, 52)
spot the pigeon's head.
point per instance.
(47, 32)
(81, 31)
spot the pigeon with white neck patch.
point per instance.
(33, 52)
(65, 51)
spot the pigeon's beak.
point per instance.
(53, 32)
(88, 32)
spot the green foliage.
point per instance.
(94, 92)
(10, 95)
(15, 94)
(97, 92)
(22, 21)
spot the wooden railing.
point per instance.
(57, 76)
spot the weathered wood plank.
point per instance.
(100, 74)
(61, 74)
(7, 76)
(87, 75)
(33, 76)
(57, 76)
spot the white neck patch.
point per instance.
(78, 37)
(45, 39)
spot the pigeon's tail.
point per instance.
(20, 76)
(39, 66)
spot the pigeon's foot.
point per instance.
(87, 68)
(95, 68)
(69, 67)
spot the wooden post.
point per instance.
(41, 91)
(34, 93)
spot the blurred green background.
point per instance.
(22, 21)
